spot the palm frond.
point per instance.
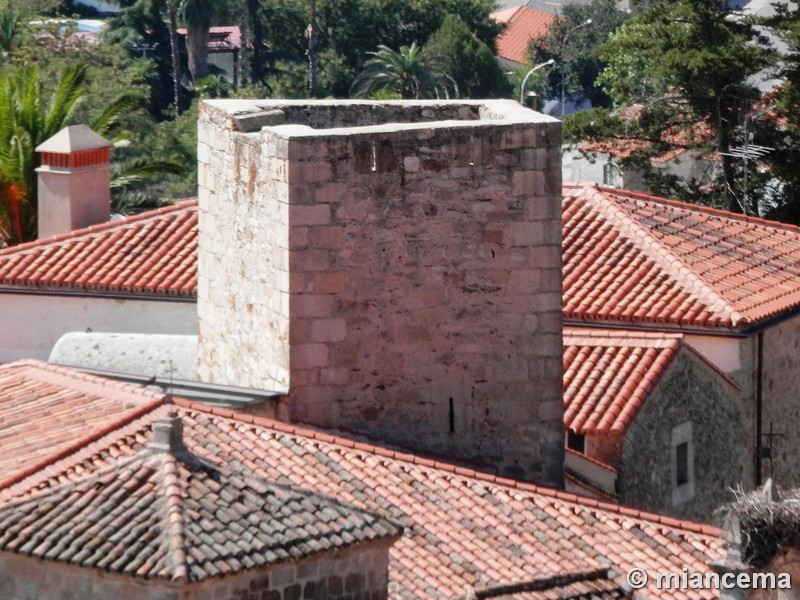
(137, 170)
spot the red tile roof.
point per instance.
(636, 258)
(164, 513)
(463, 528)
(48, 411)
(608, 376)
(154, 253)
(523, 24)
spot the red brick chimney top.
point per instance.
(74, 147)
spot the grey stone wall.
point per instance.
(402, 279)
(781, 405)
(360, 572)
(690, 392)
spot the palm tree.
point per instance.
(27, 120)
(409, 73)
(197, 15)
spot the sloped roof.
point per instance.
(635, 258)
(154, 253)
(523, 23)
(48, 411)
(463, 528)
(164, 513)
(608, 376)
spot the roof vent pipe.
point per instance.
(74, 181)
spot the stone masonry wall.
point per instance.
(781, 401)
(360, 572)
(401, 280)
(689, 392)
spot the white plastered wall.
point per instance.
(32, 323)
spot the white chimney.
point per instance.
(74, 181)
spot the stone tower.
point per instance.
(396, 266)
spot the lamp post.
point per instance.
(586, 23)
(531, 72)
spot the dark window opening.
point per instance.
(452, 417)
(576, 441)
(682, 464)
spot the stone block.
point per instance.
(328, 330)
(524, 234)
(318, 214)
(329, 283)
(311, 305)
(523, 183)
(308, 356)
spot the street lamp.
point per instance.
(586, 23)
(531, 72)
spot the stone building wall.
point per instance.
(781, 402)
(689, 393)
(360, 572)
(395, 265)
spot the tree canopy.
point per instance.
(688, 69)
(467, 60)
(574, 44)
(408, 73)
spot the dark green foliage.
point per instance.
(469, 61)
(778, 124)
(141, 25)
(409, 74)
(348, 31)
(687, 66)
(573, 45)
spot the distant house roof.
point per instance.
(522, 25)
(463, 529)
(165, 513)
(635, 258)
(220, 39)
(154, 253)
(608, 376)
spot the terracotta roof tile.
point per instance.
(151, 253)
(608, 376)
(523, 23)
(185, 513)
(631, 257)
(463, 528)
(48, 411)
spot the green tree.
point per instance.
(27, 119)
(198, 15)
(408, 73)
(348, 31)
(689, 64)
(469, 61)
(574, 46)
(777, 124)
(142, 33)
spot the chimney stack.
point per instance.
(74, 181)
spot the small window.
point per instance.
(576, 441)
(682, 463)
(611, 175)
